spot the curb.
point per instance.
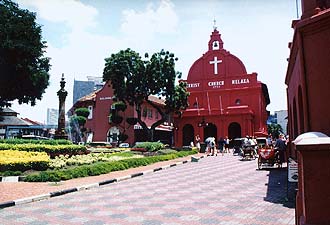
(12, 178)
(87, 186)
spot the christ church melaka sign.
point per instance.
(218, 83)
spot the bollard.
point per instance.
(313, 198)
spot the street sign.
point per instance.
(293, 171)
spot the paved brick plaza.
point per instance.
(215, 190)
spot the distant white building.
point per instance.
(52, 116)
(282, 119)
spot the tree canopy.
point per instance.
(135, 79)
(24, 69)
(274, 129)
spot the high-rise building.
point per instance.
(83, 88)
(52, 116)
(282, 119)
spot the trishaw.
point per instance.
(261, 142)
(237, 144)
(268, 156)
(249, 151)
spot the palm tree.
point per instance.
(274, 129)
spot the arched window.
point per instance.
(234, 130)
(295, 121)
(215, 45)
(187, 134)
(301, 111)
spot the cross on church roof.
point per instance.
(216, 62)
(214, 24)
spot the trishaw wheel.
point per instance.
(259, 163)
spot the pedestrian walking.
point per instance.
(280, 146)
(210, 143)
(227, 145)
(221, 144)
(198, 142)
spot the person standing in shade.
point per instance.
(198, 142)
(280, 146)
(227, 145)
(221, 144)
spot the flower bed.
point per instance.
(21, 160)
(100, 168)
(65, 160)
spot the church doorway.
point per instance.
(187, 134)
(234, 130)
(210, 131)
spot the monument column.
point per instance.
(62, 93)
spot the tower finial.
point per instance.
(214, 24)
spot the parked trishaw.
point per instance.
(237, 144)
(268, 156)
(249, 151)
(261, 142)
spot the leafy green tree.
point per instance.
(274, 129)
(78, 121)
(135, 79)
(24, 70)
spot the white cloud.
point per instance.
(145, 24)
(73, 13)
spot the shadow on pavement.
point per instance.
(279, 190)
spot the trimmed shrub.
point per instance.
(114, 118)
(16, 141)
(84, 112)
(150, 146)
(166, 151)
(51, 150)
(120, 106)
(131, 120)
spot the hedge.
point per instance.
(33, 141)
(101, 168)
(21, 160)
(51, 150)
(150, 146)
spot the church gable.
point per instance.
(216, 62)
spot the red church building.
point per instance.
(224, 99)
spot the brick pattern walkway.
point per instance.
(13, 191)
(215, 190)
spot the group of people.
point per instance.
(213, 148)
(222, 145)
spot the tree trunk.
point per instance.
(150, 133)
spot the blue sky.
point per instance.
(80, 34)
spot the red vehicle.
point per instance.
(268, 156)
